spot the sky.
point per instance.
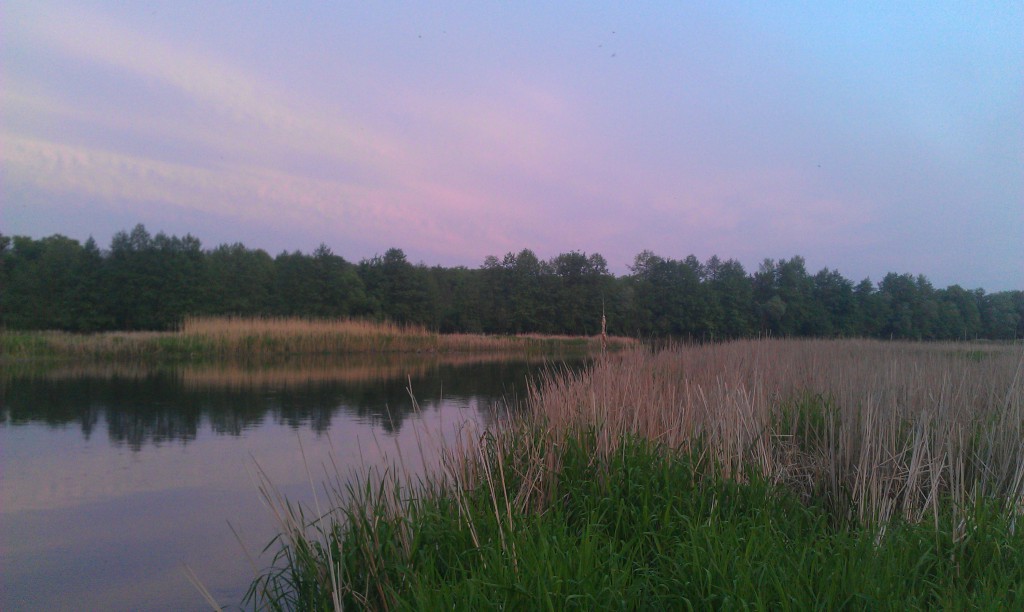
(865, 137)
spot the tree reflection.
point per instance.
(138, 426)
(168, 406)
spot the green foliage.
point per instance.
(154, 282)
(643, 527)
(239, 281)
(52, 283)
(398, 290)
(732, 296)
(671, 299)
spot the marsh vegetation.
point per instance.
(771, 474)
(246, 339)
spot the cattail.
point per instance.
(604, 331)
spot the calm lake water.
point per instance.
(114, 479)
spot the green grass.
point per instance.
(25, 343)
(641, 528)
(774, 474)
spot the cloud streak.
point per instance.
(456, 135)
(404, 186)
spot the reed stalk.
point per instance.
(750, 474)
(874, 427)
(232, 338)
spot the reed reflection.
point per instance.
(143, 406)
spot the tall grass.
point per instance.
(771, 474)
(231, 338)
(871, 428)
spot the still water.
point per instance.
(115, 479)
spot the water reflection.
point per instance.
(116, 475)
(153, 406)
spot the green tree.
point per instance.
(900, 294)
(529, 309)
(768, 305)
(239, 281)
(732, 292)
(338, 290)
(6, 268)
(912, 305)
(458, 302)
(401, 289)
(1001, 315)
(834, 311)
(178, 267)
(496, 296)
(580, 286)
(43, 283)
(871, 310)
(959, 313)
(670, 299)
(91, 311)
(295, 286)
(796, 289)
(153, 282)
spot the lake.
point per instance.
(116, 478)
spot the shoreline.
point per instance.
(752, 472)
(243, 339)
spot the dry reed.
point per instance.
(867, 431)
(871, 429)
(235, 338)
(874, 429)
(304, 336)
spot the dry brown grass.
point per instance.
(296, 336)
(871, 430)
(874, 429)
(261, 338)
(293, 326)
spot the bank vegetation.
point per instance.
(771, 474)
(236, 339)
(143, 282)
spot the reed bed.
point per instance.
(776, 474)
(232, 338)
(872, 428)
(133, 346)
(302, 336)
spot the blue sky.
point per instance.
(866, 137)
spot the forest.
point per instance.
(151, 282)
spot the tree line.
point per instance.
(147, 282)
